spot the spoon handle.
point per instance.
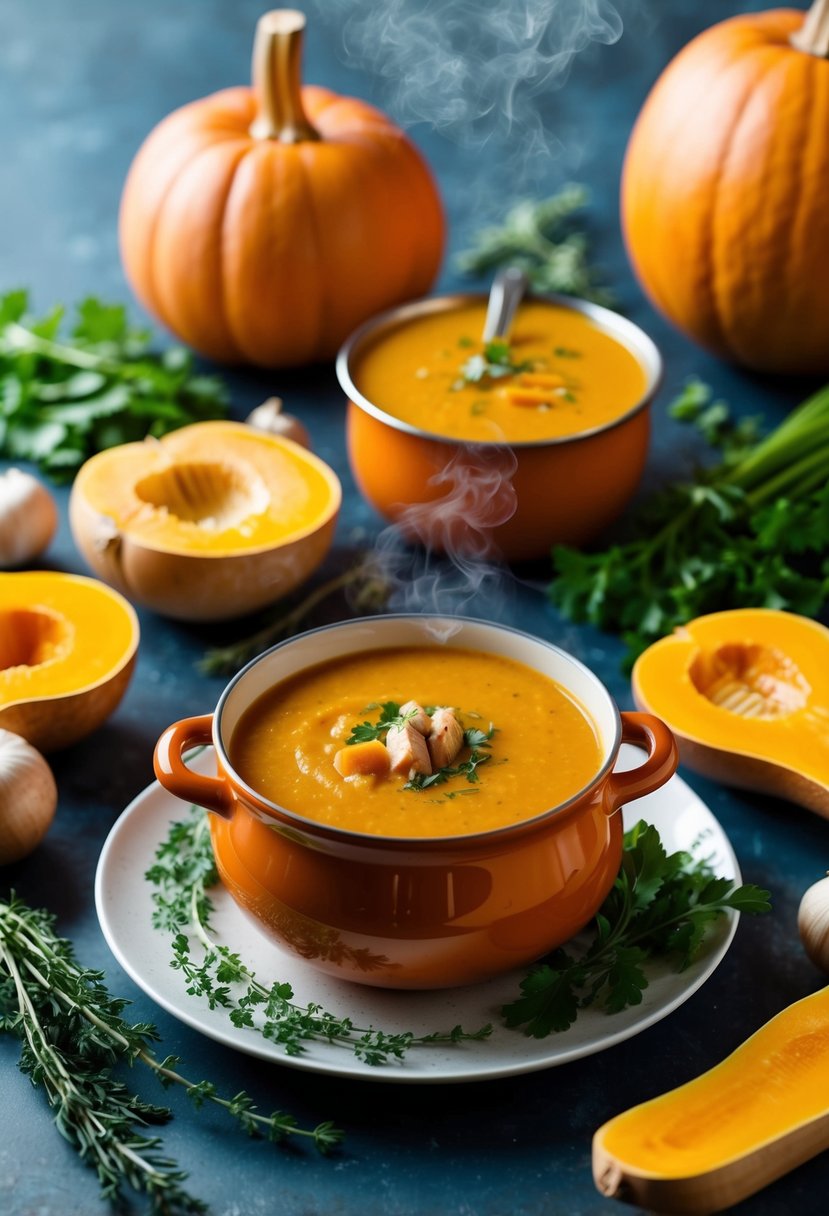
(505, 295)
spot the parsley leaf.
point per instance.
(389, 716)
(658, 910)
(64, 398)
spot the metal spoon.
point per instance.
(505, 295)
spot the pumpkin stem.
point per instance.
(813, 35)
(277, 57)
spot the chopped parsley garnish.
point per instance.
(389, 716)
(476, 740)
(494, 363)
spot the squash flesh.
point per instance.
(94, 634)
(774, 1083)
(677, 679)
(213, 488)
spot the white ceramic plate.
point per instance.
(124, 904)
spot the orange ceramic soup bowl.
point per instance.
(406, 912)
(508, 498)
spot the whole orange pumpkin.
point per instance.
(725, 190)
(263, 225)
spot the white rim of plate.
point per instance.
(540, 1054)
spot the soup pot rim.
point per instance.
(461, 840)
(626, 332)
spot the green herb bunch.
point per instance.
(543, 240)
(183, 873)
(73, 1036)
(63, 398)
(659, 909)
(751, 531)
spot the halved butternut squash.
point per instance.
(746, 693)
(209, 522)
(731, 1131)
(67, 651)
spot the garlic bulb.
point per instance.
(28, 797)
(268, 417)
(813, 923)
(28, 518)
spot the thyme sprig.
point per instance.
(183, 873)
(544, 239)
(369, 592)
(73, 1035)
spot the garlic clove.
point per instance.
(813, 923)
(28, 518)
(268, 417)
(28, 797)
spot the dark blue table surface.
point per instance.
(80, 86)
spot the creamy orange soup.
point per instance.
(543, 749)
(560, 374)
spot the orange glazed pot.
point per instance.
(510, 500)
(416, 912)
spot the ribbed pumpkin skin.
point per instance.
(264, 252)
(725, 194)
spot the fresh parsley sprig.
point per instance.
(659, 909)
(64, 396)
(183, 874)
(542, 239)
(750, 531)
(73, 1035)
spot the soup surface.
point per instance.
(534, 746)
(560, 374)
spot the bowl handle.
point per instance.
(171, 771)
(644, 730)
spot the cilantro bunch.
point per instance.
(751, 531)
(64, 397)
(659, 908)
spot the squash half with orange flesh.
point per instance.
(207, 523)
(67, 651)
(746, 693)
(731, 1131)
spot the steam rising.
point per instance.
(473, 69)
(476, 495)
